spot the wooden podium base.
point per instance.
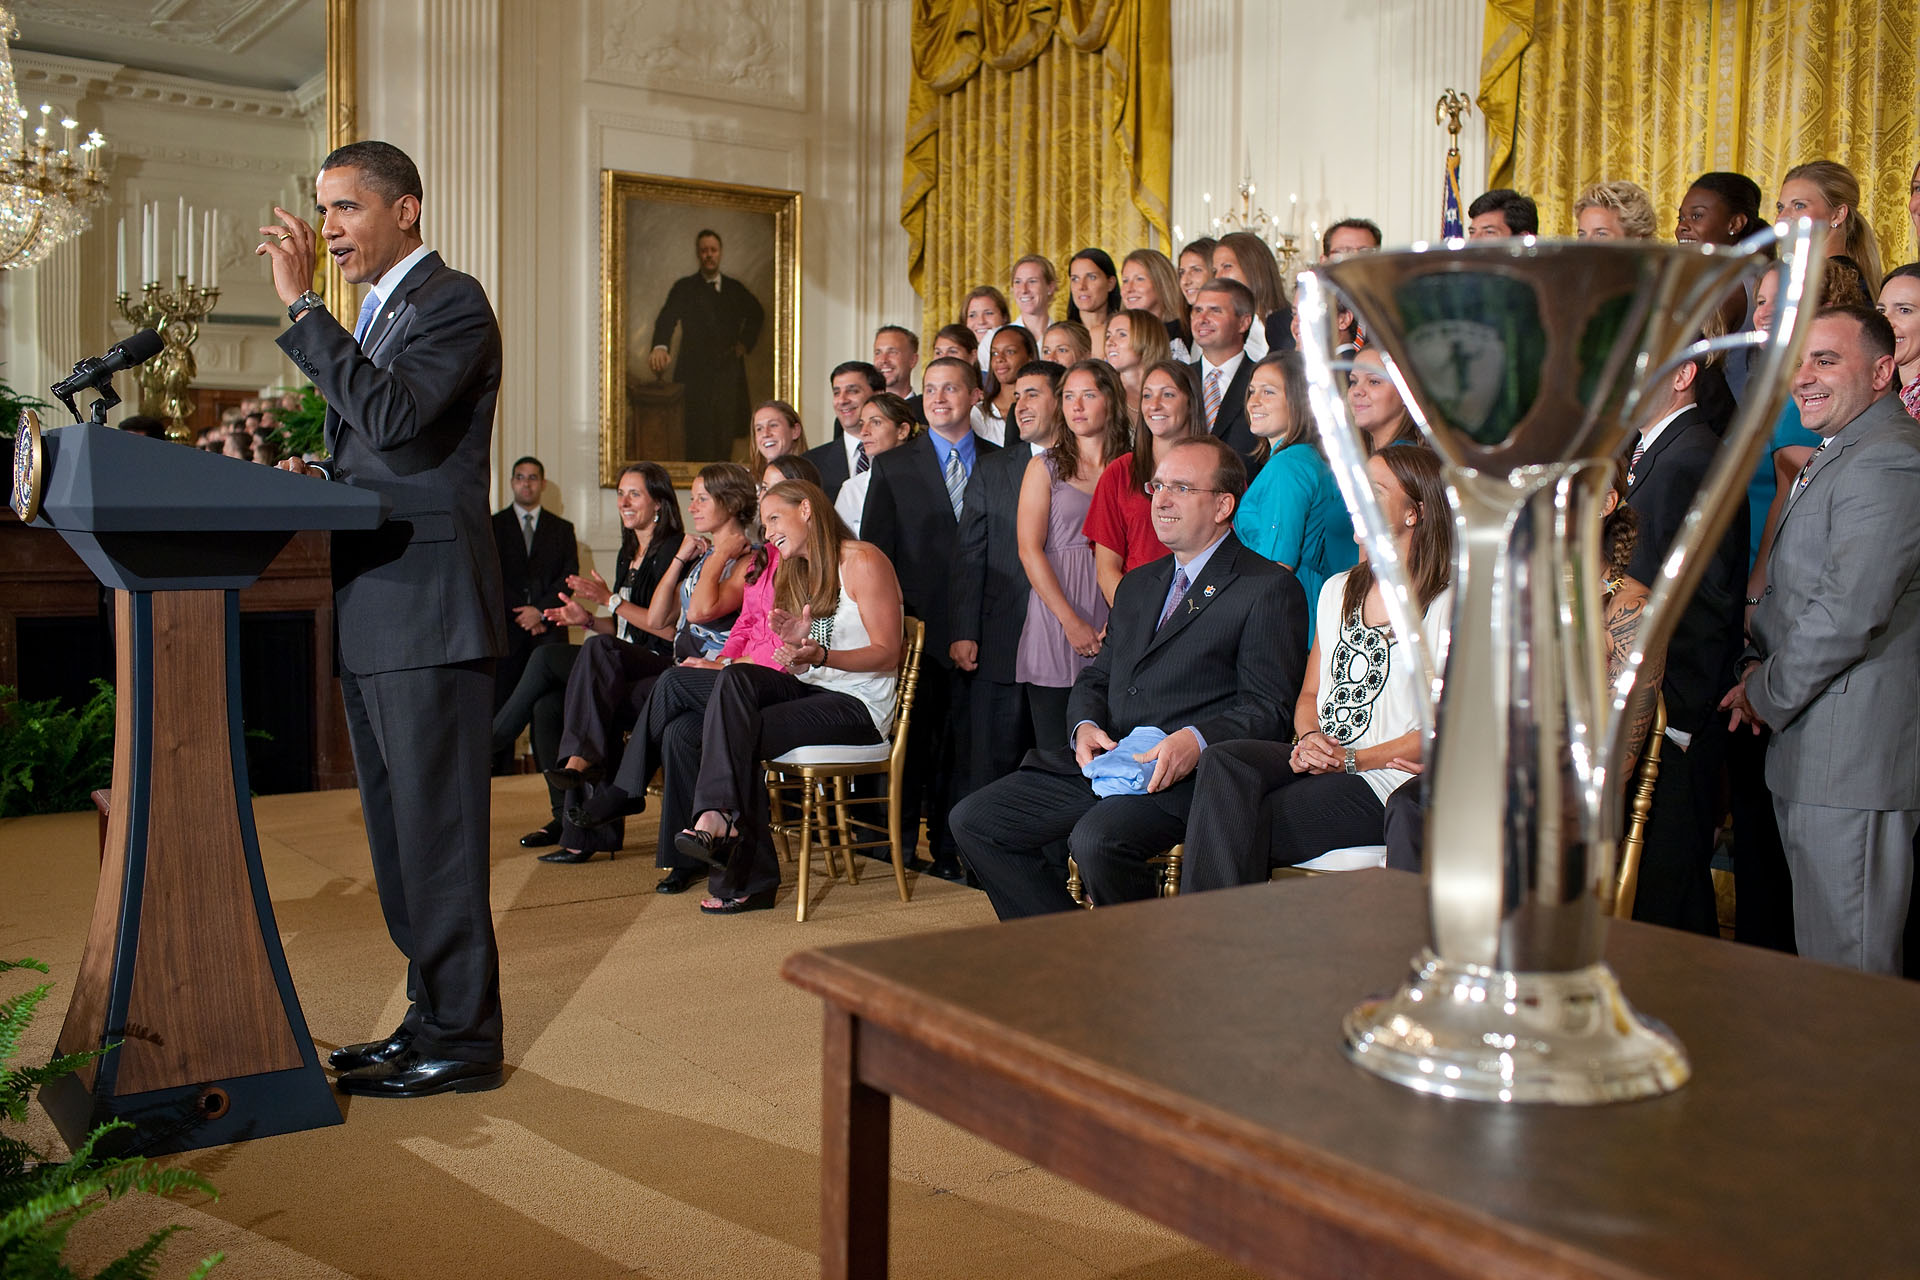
(183, 969)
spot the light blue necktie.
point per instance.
(956, 480)
(368, 308)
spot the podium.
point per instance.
(183, 972)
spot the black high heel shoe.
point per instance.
(707, 847)
(571, 856)
(568, 779)
(678, 880)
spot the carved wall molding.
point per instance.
(792, 148)
(736, 51)
(281, 165)
(227, 25)
(52, 74)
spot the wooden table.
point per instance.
(1182, 1057)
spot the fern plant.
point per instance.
(11, 404)
(52, 758)
(42, 1199)
(302, 431)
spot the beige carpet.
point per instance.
(662, 1113)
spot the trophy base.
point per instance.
(1494, 1035)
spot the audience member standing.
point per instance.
(1500, 214)
(1136, 341)
(885, 423)
(1120, 519)
(1066, 613)
(1900, 304)
(1204, 647)
(1244, 257)
(1222, 315)
(990, 588)
(1066, 343)
(1293, 513)
(1260, 804)
(896, 354)
(1670, 459)
(1375, 403)
(1827, 192)
(913, 517)
(854, 382)
(1615, 210)
(1195, 267)
(1148, 282)
(1034, 284)
(1722, 208)
(1835, 662)
(1093, 292)
(776, 432)
(537, 554)
(1350, 235)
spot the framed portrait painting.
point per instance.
(700, 301)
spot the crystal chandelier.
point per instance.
(46, 189)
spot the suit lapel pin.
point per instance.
(1208, 593)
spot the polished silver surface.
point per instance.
(1527, 364)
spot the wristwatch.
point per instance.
(304, 303)
(1352, 761)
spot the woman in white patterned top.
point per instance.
(1259, 805)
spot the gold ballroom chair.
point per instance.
(799, 781)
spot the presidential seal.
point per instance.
(29, 467)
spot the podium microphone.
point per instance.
(97, 373)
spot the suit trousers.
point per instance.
(1011, 834)
(754, 714)
(1676, 876)
(539, 704)
(998, 731)
(605, 692)
(1404, 826)
(939, 752)
(1762, 887)
(1852, 882)
(666, 739)
(420, 747)
(1252, 813)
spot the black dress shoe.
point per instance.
(353, 1057)
(541, 837)
(678, 880)
(567, 779)
(573, 855)
(413, 1075)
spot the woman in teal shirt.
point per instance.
(1293, 513)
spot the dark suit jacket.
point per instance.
(411, 416)
(831, 459)
(717, 405)
(910, 519)
(1229, 661)
(990, 590)
(1231, 423)
(534, 578)
(1707, 639)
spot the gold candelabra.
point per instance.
(1282, 238)
(176, 317)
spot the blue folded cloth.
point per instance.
(1117, 773)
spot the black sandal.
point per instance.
(706, 847)
(760, 901)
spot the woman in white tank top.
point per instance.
(837, 608)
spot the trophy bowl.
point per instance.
(1527, 365)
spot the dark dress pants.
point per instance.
(421, 750)
(998, 729)
(1675, 887)
(1762, 885)
(538, 702)
(754, 714)
(1405, 825)
(1252, 813)
(605, 692)
(666, 739)
(939, 753)
(1011, 834)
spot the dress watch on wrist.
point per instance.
(303, 304)
(1353, 762)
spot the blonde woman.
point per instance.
(1148, 282)
(1136, 341)
(1617, 210)
(1827, 191)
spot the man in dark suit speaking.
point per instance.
(1206, 645)
(418, 605)
(719, 321)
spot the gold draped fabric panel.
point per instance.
(1660, 91)
(1032, 128)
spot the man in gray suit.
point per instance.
(1207, 645)
(418, 603)
(1834, 667)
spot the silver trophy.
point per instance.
(1527, 364)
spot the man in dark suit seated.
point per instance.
(854, 382)
(990, 588)
(537, 553)
(1670, 459)
(1207, 645)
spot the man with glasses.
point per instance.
(1206, 645)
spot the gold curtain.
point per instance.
(1032, 127)
(1660, 91)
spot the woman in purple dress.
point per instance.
(1066, 613)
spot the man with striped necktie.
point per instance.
(913, 515)
(1221, 316)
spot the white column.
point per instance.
(1207, 65)
(57, 309)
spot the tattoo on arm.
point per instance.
(1621, 628)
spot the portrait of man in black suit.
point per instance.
(1207, 645)
(718, 320)
(418, 607)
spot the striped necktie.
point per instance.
(1806, 472)
(1639, 451)
(1213, 397)
(527, 531)
(860, 459)
(956, 480)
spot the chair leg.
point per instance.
(806, 846)
(1170, 881)
(1075, 889)
(844, 823)
(896, 839)
(777, 813)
